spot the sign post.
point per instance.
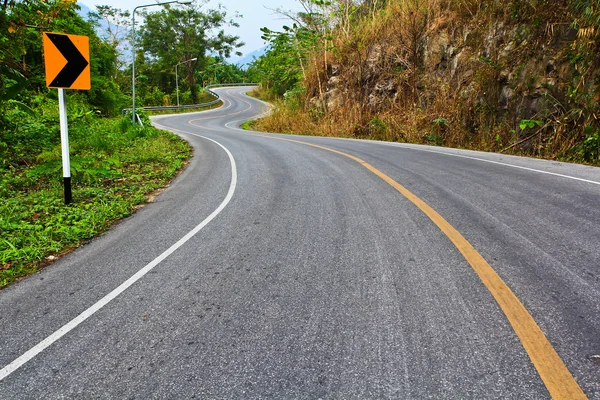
(67, 62)
(64, 142)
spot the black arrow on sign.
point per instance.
(76, 62)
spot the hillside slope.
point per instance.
(518, 76)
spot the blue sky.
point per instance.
(255, 16)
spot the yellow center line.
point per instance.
(555, 375)
(221, 116)
(553, 371)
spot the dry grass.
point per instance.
(428, 100)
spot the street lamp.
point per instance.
(177, 76)
(133, 45)
(218, 64)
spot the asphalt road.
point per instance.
(292, 271)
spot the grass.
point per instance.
(115, 167)
(248, 125)
(388, 87)
(186, 110)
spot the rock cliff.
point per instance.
(496, 79)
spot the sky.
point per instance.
(255, 16)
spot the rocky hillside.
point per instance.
(519, 76)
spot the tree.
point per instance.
(21, 55)
(115, 27)
(302, 54)
(216, 70)
(178, 34)
(283, 65)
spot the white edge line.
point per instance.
(267, 112)
(41, 346)
(167, 116)
(408, 147)
(494, 162)
(400, 145)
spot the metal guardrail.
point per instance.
(190, 106)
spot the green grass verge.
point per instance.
(186, 110)
(248, 125)
(115, 166)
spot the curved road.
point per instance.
(282, 266)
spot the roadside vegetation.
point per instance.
(115, 166)
(519, 77)
(204, 98)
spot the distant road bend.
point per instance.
(281, 266)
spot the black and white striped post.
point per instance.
(64, 142)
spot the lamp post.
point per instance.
(133, 45)
(177, 76)
(218, 64)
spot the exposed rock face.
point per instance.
(514, 71)
(510, 71)
(384, 91)
(438, 50)
(333, 94)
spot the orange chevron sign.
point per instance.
(67, 61)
